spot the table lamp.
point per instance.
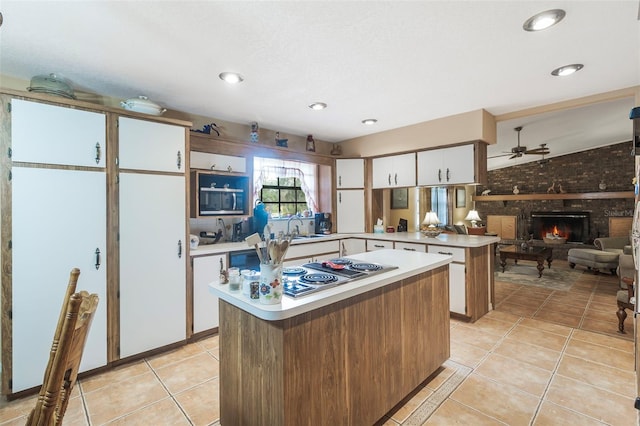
(431, 220)
(474, 217)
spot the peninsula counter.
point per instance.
(345, 355)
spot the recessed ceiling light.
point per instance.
(231, 77)
(543, 20)
(567, 70)
(369, 121)
(318, 106)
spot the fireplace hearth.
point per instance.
(573, 226)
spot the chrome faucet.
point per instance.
(289, 224)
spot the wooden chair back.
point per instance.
(68, 344)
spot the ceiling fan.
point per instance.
(519, 151)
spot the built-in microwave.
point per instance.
(219, 195)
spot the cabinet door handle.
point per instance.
(445, 253)
(389, 178)
(439, 175)
(213, 167)
(448, 174)
(179, 249)
(179, 161)
(396, 178)
(344, 249)
(378, 246)
(98, 153)
(97, 258)
(340, 197)
(229, 169)
(409, 249)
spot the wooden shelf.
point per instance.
(575, 196)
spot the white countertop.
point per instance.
(409, 263)
(454, 240)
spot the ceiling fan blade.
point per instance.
(500, 155)
(538, 151)
(515, 156)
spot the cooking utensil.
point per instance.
(144, 105)
(267, 240)
(52, 84)
(332, 265)
(254, 240)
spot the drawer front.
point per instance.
(456, 252)
(411, 247)
(312, 249)
(379, 245)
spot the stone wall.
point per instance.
(581, 172)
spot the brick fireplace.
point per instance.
(611, 167)
(571, 226)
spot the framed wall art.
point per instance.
(400, 198)
(461, 198)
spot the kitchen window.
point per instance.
(283, 195)
(285, 187)
(439, 203)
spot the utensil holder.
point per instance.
(271, 287)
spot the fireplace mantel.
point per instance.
(566, 196)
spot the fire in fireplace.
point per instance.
(573, 226)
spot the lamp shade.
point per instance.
(473, 216)
(431, 219)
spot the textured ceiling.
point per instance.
(400, 62)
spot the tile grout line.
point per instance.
(169, 392)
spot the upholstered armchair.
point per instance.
(626, 294)
(612, 244)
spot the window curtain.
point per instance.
(271, 168)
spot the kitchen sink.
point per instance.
(307, 237)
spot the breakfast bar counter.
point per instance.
(345, 355)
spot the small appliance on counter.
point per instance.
(322, 223)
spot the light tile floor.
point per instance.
(531, 363)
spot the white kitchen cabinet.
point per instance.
(153, 248)
(457, 277)
(379, 245)
(206, 270)
(350, 173)
(147, 145)
(351, 246)
(218, 162)
(311, 252)
(58, 223)
(49, 134)
(394, 171)
(153, 240)
(350, 211)
(411, 247)
(447, 166)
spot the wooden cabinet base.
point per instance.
(344, 364)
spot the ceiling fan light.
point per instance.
(543, 20)
(567, 70)
(369, 121)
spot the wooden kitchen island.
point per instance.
(342, 356)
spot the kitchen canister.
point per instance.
(270, 284)
(235, 280)
(249, 277)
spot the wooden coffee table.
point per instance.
(538, 254)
